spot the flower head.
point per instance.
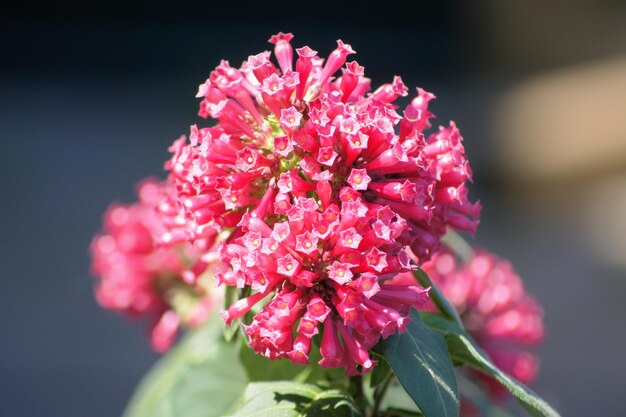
(145, 268)
(301, 128)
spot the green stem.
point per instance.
(458, 245)
(356, 389)
(437, 297)
(380, 392)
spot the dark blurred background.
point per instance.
(91, 98)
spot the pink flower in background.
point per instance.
(297, 129)
(140, 276)
(321, 268)
(495, 308)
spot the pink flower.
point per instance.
(321, 270)
(490, 297)
(139, 274)
(302, 129)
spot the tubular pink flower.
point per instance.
(335, 61)
(142, 259)
(358, 179)
(283, 50)
(350, 79)
(315, 268)
(290, 119)
(304, 65)
(241, 307)
(301, 349)
(330, 348)
(164, 332)
(356, 351)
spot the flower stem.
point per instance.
(356, 389)
(380, 392)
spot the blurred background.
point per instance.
(90, 99)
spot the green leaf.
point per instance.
(480, 398)
(465, 351)
(421, 362)
(231, 331)
(439, 323)
(463, 347)
(200, 377)
(292, 399)
(437, 296)
(380, 371)
(397, 397)
(400, 412)
(260, 368)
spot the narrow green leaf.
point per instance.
(421, 362)
(439, 323)
(231, 331)
(231, 295)
(437, 296)
(464, 350)
(479, 397)
(200, 377)
(291, 399)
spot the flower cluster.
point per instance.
(306, 133)
(141, 276)
(320, 189)
(323, 188)
(503, 319)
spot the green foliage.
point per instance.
(201, 377)
(260, 368)
(480, 398)
(397, 397)
(400, 412)
(421, 362)
(231, 295)
(381, 371)
(204, 376)
(291, 399)
(436, 296)
(464, 350)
